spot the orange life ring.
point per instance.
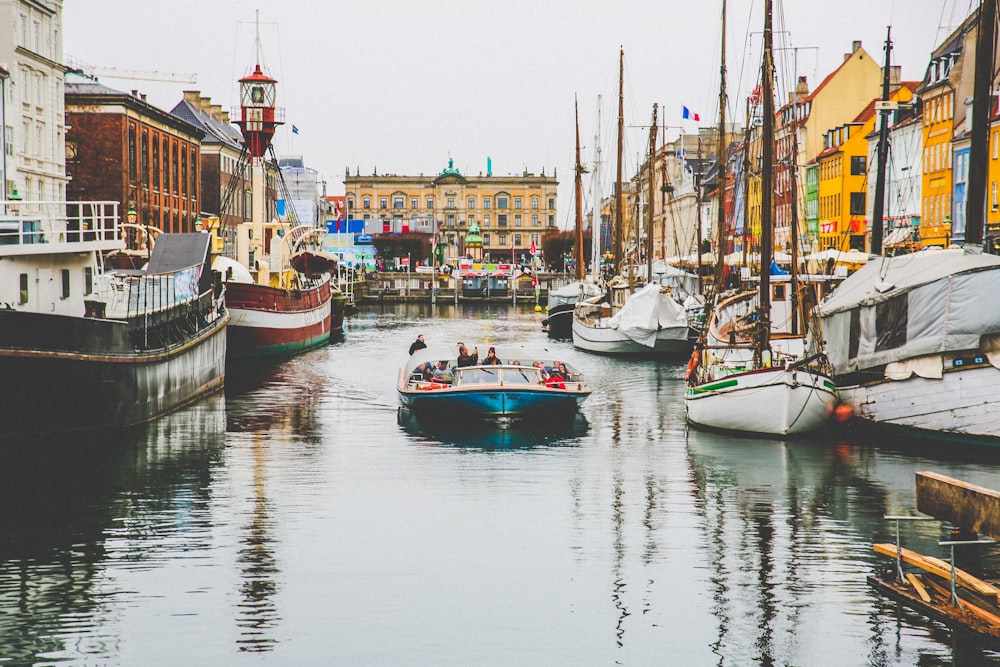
(692, 364)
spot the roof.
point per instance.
(216, 132)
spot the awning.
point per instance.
(897, 236)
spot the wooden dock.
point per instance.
(965, 601)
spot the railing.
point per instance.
(27, 225)
(131, 295)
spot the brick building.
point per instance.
(121, 148)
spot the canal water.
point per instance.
(301, 519)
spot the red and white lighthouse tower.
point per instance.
(259, 117)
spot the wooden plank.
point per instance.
(918, 587)
(968, 606)
(940, 568)
(974, 508)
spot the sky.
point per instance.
(400, 87)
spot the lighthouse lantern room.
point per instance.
(258, 115)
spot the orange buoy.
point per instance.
(692, 364)
(843, 412)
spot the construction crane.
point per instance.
(129, 74)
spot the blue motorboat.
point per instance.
(432, 384)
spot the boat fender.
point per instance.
(692, 364)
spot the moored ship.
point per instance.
(85, 348)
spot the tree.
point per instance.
(559, 246)
(415, 245)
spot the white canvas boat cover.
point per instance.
(898, 308)
(647, 311)
(572, 292)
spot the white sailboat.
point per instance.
(622, 322)
(743, 382)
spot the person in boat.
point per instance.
(442, 373)
(466, 359)
(428, 370)
(557, 378)
(491, 358)
(418, 344)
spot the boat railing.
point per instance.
(42, 227)
(129, 295)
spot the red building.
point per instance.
(121, 148)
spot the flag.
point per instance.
(533, 249)
(295, 129)
(755, 96)
(688, 115)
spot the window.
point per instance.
(397, 201)
(993, 196)
(383, 202)
(486, 220)
(23, 299)
(890, 323)
(517, 239)
(854, 339)
(450, 202)
(778, 292)
(534, 239)
(503, 239)
(184, 172)
(517, 202)
(552, 202)
(144, 158)
(857, 203)
(471, 203)
(534, 220)
(534, 201)
(65, 283)
(414, 202)
(430, 202)
(517, 219)
(502, 220)
(486, 239)
(194, 175)
(451, 219)
(487, 202)
(366, 202)
(175, 166)
(156, 163)
(552, 221)
(131, 154)
(88, 280)
(857, 165)
(501, 202)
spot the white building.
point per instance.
(303, 190)
(34, 126)
(903, 176)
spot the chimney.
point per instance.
(215, 111)
(225, 117)
(142, 96)
(192, 97)
(855, 46)
(802, 87)
(205, 105)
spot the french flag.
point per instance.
(687, 115)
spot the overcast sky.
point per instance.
(399, 86)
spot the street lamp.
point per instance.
(15, 201)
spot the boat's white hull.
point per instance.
(606, 340)
(773, 401)
(962, 404)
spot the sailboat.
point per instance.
(278, 286)
(562, 301)
(762, 388)
(647, 321)
(914, 340)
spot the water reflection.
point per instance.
(73, 509)
(493, 435)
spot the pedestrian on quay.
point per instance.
(418, 344)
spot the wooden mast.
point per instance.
(766, 191)
(579, 196)
(982, 101)
(722, 155)
(883, 146)
(649, 207)
(619, 231)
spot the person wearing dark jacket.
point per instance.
(466, 359)
(491, 358)
(418, 344)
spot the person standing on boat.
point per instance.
(418, 344)
(491, 358)
(466, 359)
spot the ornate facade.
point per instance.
(510, 211)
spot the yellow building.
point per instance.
(512, 212)
(844, 173)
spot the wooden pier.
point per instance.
(967, 600)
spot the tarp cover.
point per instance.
(911, 305)
(572, 292)
(647, 311)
